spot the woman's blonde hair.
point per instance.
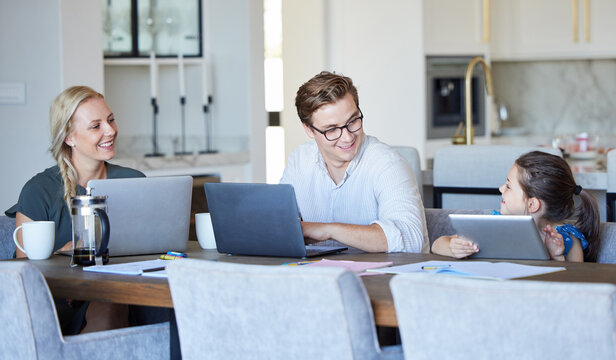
(61, 114)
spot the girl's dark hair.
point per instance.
(549, 178)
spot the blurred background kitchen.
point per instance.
(553, 64)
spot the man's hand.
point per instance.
(370, 238)
(314, 232)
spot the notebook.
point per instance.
(501, 236)
(258, 219)
(148, 215)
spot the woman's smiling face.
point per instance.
(93, 132)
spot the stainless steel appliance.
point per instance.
(445, 96)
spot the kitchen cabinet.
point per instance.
(601, 42)
(455, 27)
(552, 29)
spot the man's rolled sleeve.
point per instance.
(401, 212)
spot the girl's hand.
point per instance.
(554, 243)
(461, 247)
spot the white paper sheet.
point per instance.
(131, 268)
(478, 269)
(358, 267)
(157, 273)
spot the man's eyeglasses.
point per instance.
(336, 132)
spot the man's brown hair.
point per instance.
(324, 88)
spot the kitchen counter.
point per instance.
(591, 180)
(229, 166)
(590, 175)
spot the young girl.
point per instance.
(542, 185)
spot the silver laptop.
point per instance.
(146, 215)
(258, 219)
(501, 236)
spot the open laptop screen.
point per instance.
(146, 215)
(256, 219)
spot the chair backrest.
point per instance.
(468, 177)
(610, 196)
(233, 311)
(450, 317)
(412, 156)
(438, 224)
(607, 252)
(29, 323)
(7, 246)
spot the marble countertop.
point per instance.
(184, 164)
(590, 175)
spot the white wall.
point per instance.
(29, 55)
(378, 44)
(32, 42)
(237, 53)
(256, 91)
(81, 22)
(304, 55)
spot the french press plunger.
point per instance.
(90, 229)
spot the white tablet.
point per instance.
(501, 236)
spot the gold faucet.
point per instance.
(468, 93)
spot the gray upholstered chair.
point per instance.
(30, 328)
(238, 311)
(468, 177)
(610, 196)
(450, 317)
(7, 246)
(412, 156)
(607, 251)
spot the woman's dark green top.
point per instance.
(42, 198)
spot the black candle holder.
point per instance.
(208, 129)
(183, 139)
(155, 152)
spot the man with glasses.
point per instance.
(351, 188)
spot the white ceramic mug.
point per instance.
(205, 231)
(38, 238)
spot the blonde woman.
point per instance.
(83, 134)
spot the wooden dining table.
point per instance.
(74, 283)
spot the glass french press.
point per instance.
(90, 230)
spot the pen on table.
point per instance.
(434, 267)
(170, 257)
(299, 263)
(154, 269)
(173, 253)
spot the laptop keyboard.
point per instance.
(315, 249)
